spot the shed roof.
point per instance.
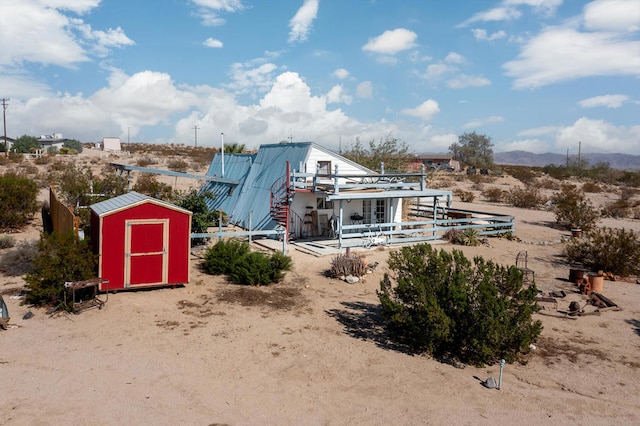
(128, 200)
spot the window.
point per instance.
(374, 213)
(324, 167)
(323, 204)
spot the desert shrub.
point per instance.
(527, 198)
(607, 249)
(524, 174)
(494, 195)
(18, 198)
(61, 258)
(7, 241)
(622, 207)
(464, 237)
(255, 268)
(548, 183)
(343, 265)
(445, 305)
(19, 260)
(148, 184)
(465, 196)
(591, 187)
(146, 161)
(235, 259)
(220, 258)
(572, 209)
(178, 165)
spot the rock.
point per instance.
(351, 279)
(490, 383)
(27, 315)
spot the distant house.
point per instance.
(9, 142)
(438, 162)
(52, 141)
(111, 144)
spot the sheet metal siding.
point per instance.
(128, 200)
(236, 167)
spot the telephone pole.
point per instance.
(5, 104)
(195, 128)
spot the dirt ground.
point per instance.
(313, 351)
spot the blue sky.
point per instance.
(534, 75)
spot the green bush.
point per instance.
(221, 257)
(201, 217)
(19, 260)
(7, 241)
(465, 196)
(607, 249)
(61, 258)
(445, 305)
(18, 198)
(573, 210)
(235, 259)
(464, 237)
(148, 184)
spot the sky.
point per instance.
(533, 75)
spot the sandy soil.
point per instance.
(312, 351)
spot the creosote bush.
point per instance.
(343, 265)
(465, 196)
(18, 201)
(60, 258)
(445, 305)
(573, 209)
(236, 260)
(526, 198)
(607, 249)
(494, 195)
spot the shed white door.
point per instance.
(146, 252)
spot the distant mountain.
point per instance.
(523, 158)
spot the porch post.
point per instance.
(423, 179)
(339, 223)
(336, 190)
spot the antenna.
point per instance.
(5, 104)
(222, 151)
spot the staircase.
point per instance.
(280, 210)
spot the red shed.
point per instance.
(141, 242)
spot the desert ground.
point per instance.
(312, 351)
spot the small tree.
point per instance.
(572, 209)
(25, 144)
(61, 258)
(473, 149)
(201, 217)
(445, 305)
(395, 154)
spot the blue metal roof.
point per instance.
(251, 199)
(236, 167)
(128, 200)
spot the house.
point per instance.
(437, 162)
(308, 191)
(141, 242)
(52, 141)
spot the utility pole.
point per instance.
(128, 135)
(195, 128)
(5, 104)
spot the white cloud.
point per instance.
(212, 42)
(609, 101)
(612, 15)
(209, 10)
(440, 143)
(482, 121)
(337, 95)
(436, 71)
(250, 79)
(537, 146)
(391, 42)
(600, 135)
(454, 58)
(39, 32)
(364, 90)
(424, 111)
(302, 21)
(509, 10)
(559, 54)
(463, 80)
(17, 86)
(481, 34)
(341, 73)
